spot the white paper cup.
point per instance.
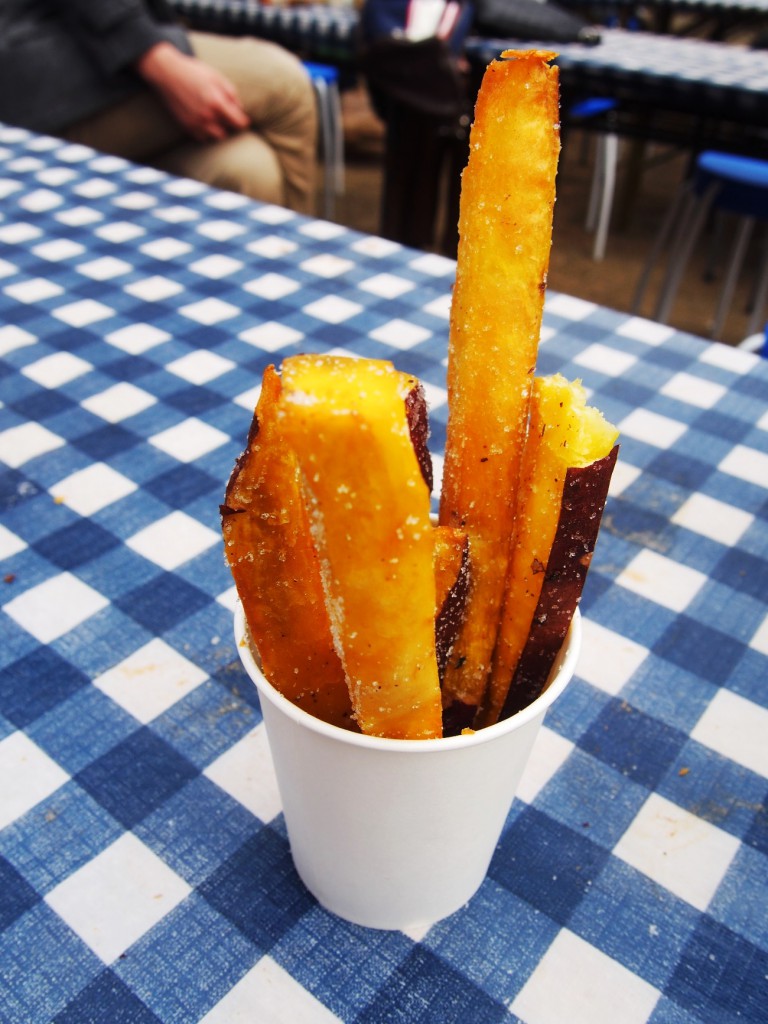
(396, 833)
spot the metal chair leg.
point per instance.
(687, 236)
(607, 155)
(339, 178)
(738, 252)
(660, 242)
(760, 298)
(325, 84)
(596, 186)
(326, 133)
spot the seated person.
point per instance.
(123, 77)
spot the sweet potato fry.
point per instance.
(269, 547)
(346, 420)
(566, 469)
(505, 233)
(583, 503)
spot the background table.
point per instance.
(693, 92)
(715, 19)
(144, 870)
(317, 30)
(335, 26)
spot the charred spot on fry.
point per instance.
(418, 424)
(452, 577)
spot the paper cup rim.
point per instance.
(562, 673)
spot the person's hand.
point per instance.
(201, 99)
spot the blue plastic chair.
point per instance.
(723, 182)
(757, 343)
(325, 81)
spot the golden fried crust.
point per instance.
(269, 548)
(505, 234)
(346, 420)
(564, 434)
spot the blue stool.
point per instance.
(603, 186)
(727, 183)
(325, 81)
(756, 343)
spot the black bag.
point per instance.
(423, 76)
(535, 20)
(420, 90)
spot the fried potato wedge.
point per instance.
(567, 465)
(347, 422)
(505, 234)
(270, 550)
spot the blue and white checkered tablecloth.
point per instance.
(145, 874)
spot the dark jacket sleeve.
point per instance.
(64, 60)
(115, 33)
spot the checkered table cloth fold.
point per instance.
(145, 874)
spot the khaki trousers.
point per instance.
(274, 160)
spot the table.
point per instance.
(317, 30)
(716, 7)
(144, 869)
(325, 25)
(693, 92)
(710, 79)
(715, 18)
